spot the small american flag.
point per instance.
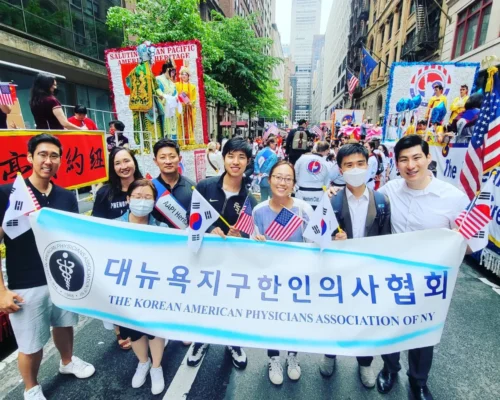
(285, 224)
(317, 130)
(245, 220)
(352, 82)
(5, 95)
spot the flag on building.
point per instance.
(352, 82)
(285, 224)
(6, 98)
(368, 64)
(245, 220)
(202, 216)
(21, 202)
(322, 224)
(483, 153)
(473, 222)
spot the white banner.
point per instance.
(358, 297)
(449, 161)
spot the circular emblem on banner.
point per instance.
(314, 167)
(69, 269)
(422, 81)
(323, 227)
(195, 221)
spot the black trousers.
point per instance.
(420, 361)
(132, 334)
(362, 361)
(276, 353)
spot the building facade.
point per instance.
(306, 20)
(405, 30)
(277, 51)
(262, 9)
(336, 51)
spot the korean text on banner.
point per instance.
(365, 296)
(83, 160)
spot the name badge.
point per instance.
(168, 206)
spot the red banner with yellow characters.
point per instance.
(83, 161)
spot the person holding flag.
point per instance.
(226, 196)
(360, 212)
(282, 218)
(27, 298)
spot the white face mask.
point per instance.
(141, 207)
(355, 177)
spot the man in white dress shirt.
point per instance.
(418, 201)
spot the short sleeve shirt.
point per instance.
(109, 208)
(24, 265)
(43, 113)
(111, 141)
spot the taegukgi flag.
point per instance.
(21, 202)
(322, 224)
(202, 216)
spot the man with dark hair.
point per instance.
(419, 201)
(80, 118)
(167, 157)
(27, 298)
(117, 138)
(360, 212)
(373, 162)
(458, 105)
(435, 100)
(297, 141)
(227, 194)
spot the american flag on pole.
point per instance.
(352, 82)
(317, 130)
(285, 224)
(245, 220)
(5, 95)
(483, 153)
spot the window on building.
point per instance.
(472, 26)
(413, 7)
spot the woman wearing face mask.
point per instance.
(141, 196)
(282, 182)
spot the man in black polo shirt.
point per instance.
(27, 297)
(167, 158)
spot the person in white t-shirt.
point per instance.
(372, 165)
(215, 162)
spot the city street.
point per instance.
(466, 364)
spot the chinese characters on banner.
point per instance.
(83, 160)
(369, 296)
(200, 164)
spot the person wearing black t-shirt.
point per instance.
(111, 199)
(27, 297)
(117, 138)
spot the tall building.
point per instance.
(206, 8)
(286, 50)
(277, 51)
(62, 37)
(336, 50)
(317, 111)
(287, 89)
(262, 9)
(306, 20)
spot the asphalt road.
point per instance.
(466, 364)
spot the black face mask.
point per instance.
(56, 92)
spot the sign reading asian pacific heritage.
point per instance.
(365, 296)
(83, 160)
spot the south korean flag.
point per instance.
(21, 202)
(202, 216)
(322, 224)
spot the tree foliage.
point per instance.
(237, 70)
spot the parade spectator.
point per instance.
(34, 313)
(418, 201)
(282, 181)
(46, 109)
(141, 195)
(217, 148)
(117, 138)
(227, 194)
(264, 161)
(297, 141)
(80, 118)
(360, 212)
(372, 164)
(386, 160)
(4, 110)
(215, 161)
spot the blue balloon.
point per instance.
(401, 105)
(416, 101)
(438, 113)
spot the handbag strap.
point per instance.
(210, 162)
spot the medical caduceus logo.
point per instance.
(70, 269)
(422, 81)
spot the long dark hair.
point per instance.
(386, 152)
(41, 88)
(115, 182)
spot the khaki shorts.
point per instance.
(31, 324)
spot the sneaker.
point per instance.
(239, 357)
(35, 393)
(275, 371)
(293, 367)
(157, 380)
(197, 352)
(327, 366)
(77, 367)
(141, 373)
(367, 376)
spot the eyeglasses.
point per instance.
(280, 178)
(53, 157)
(141, 197)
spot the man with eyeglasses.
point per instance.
(27, 297)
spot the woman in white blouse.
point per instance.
(215, 162)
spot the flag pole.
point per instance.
(220, 216)
(339, 228)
